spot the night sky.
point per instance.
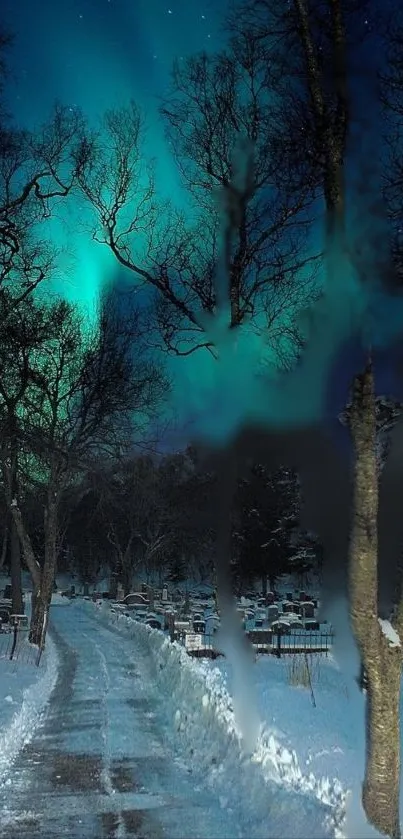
(94, 54)
(97, 54)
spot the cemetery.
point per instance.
(277, 624)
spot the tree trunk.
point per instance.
(25, 541)
(4, 544)
(43, 593)
(381, 663)
(113, 585)
(382, 770)
(15, 572)
(38, 617)
(264, 585)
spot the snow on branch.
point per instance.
(390, 633)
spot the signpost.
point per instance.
(193, 641)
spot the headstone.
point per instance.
(312, 626)
(272, 613)
(120, 593)
(269, 598)
(199, 626)
(307, 610)
(289, 595)
(164, 594)
(136, 597)
(193, 641)
(86, 590)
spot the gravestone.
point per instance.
(272, 613)
(307, 609)
(134, 598)
(164, 597)
(312, 626)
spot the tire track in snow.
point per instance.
(106, 775)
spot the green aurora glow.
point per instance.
(96, 54)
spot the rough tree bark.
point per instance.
(4, 545)
(42, 578)
(30, 559)
(15, 572)
(382, 661)
(43, 595)
(9, 469)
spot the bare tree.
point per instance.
(36, 172)
(322, 35)
(87, 398)
(23, 331)
(240, 242)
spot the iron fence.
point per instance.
(14, 644)
(263, 642)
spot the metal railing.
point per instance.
(14, 644)
(263, 641)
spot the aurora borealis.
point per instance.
(96, 54)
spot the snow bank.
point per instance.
(204, 726)
(24, 692)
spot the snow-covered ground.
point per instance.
(300, 777)
(305, 772)
(24, 692)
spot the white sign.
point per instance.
(193, 641)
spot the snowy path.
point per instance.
(101, 765)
